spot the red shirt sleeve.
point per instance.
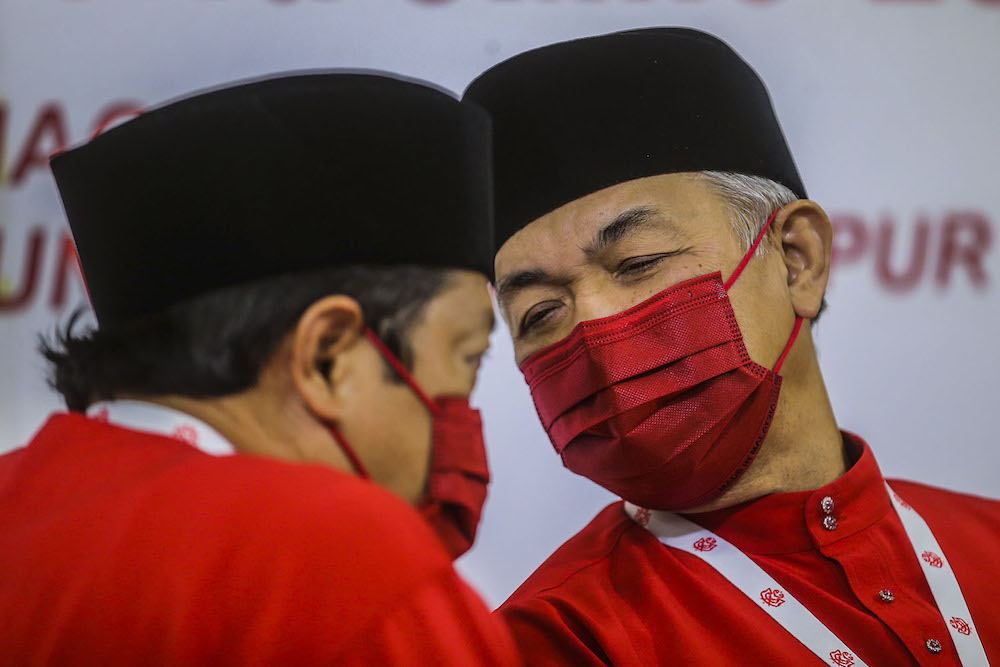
(544, 637)
(560, 617)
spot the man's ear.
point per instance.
(807, 245)
(327, 329)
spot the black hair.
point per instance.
(219, 343)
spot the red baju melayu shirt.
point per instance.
(614, 594)
(126, 548)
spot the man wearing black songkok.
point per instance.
(275, 392)
(656, 259)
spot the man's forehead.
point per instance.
(588, 214)
(564, 234)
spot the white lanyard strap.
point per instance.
(943, 584)
(677, 532)
(161, 420)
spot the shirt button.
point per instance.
(826, 505)
(886, 595)
(934, 646)
(829, 523)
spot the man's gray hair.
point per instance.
(751, 199)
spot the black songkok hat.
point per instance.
(288, 174)
(576, 117)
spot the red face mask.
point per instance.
(659, 404)
(458, 476)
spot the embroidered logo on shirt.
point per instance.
(842, 658)
(642, 516)
(932, 559)
(772, 597)
(960, 626)
(186, 433)
(706, 544)
(902, 503)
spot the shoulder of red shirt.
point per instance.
(593, 545)
(941, 507)
(937, 494)
(299, 539)
(254, 493)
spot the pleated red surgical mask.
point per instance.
(458, 475)
(659, 404)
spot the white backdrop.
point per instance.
(890, 107)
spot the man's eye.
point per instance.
(475, 360)
(640, 265)
(534, 317)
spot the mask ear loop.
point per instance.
(739, 270)
(349, 452)
(398, 366)
(750, 253)
(791, 341)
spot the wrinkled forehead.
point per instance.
(672, 203)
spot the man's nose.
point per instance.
(600, 300)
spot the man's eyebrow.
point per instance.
(522, 280)
(624, 224)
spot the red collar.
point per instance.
(794, 522)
